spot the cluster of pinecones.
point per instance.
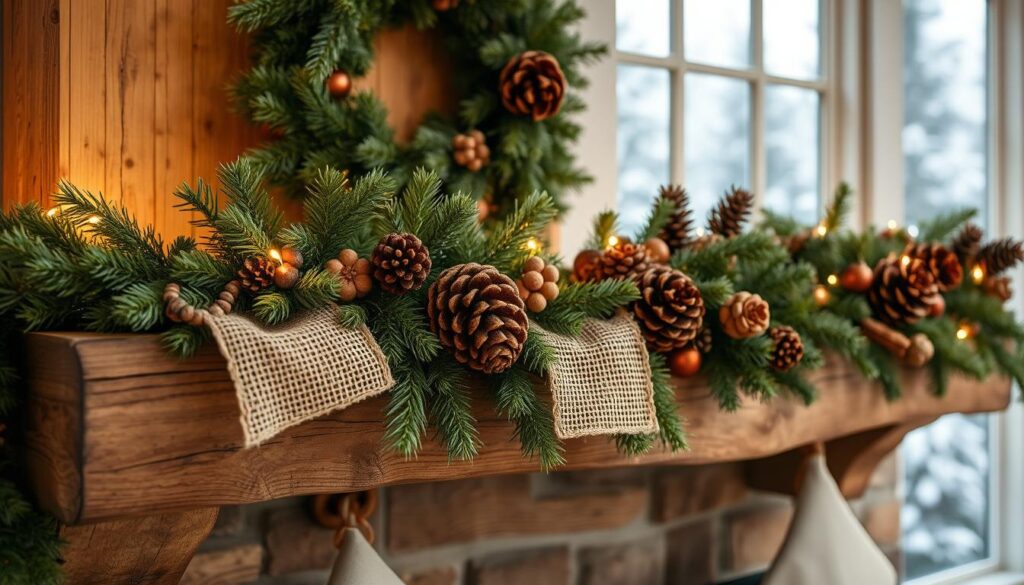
(908, 287)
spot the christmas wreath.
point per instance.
(516, 65)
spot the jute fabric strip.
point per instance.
(299, 370)
(601, 380)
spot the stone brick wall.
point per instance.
(656, 526)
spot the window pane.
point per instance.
(946, 514)
(717, 32)
(642, 26)
(717, 137)
(644, 120)
(791, 43)
(791, 151)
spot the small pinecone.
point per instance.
(676, 232)
(1001, 255)
(732, 211)
(532, 84)
(943, 262)
(788, 350)
(471, 151)
(476, 313)
(998, 287)
(744, 315)
(670, 310)
(967, 243)
(401, 263)
(624, 260)
(903, 290)
(256, 273)
(704, 341)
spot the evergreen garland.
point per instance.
(298, 45)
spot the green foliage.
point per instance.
(533, 422)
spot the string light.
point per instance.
(821, 295)
(700, 232)
(962, 333)
(612, 241)
(93, 219)
(275, 254)
(977, 274)
(912, 231)
(533, 245)
(833, 279)
(52, 212)
(821, 230)
(905, 260)
(891, 224)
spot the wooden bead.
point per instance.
(170, 295)
(293, 256)
(223, 305)
(216, 311)
(177, 305)
(172, 315)
(333, 266)
(233, 288)
(532, 281)
(172, 286)
(657, 250)
(198, 318)
(685, 362)
(536, 302)
(533, 264)
(285, 276)
(550, 273)
(549, 290)
(186, 313)
(348, 257)
(226, 297)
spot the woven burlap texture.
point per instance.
(601, 380)
(297, 371)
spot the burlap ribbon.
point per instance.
(297, 371)
(601, 380)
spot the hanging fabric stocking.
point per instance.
(825, 542)
(357, 562)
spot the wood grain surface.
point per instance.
(158, 433)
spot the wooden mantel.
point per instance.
(124, 438)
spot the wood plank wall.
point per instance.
(128, 97)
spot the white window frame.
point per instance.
(863, 129)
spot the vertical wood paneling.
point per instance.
(128, 98)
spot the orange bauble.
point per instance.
(685, 362)
(938, 307)
(857, 277)
(339, 84)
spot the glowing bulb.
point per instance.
(962, 333)
(51, 212)
(891, 224)
(700, 232)
(977, 274)
(832, 279)
(821, 295)
(275, 254)
(821, 230)
(905, 260)
(613, 241)
(912, 231)
(93, 219)
(532, 245)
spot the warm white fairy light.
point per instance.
(533, 246)
(275, 254)
(821, 294)
(977, 274)
(52, 212)
(93, 219)
(612, 241)
(905, 260)
(821, 230)
(833, 279)
(892, 224)
(912, 231)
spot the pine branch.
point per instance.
(604, 227)
(534, 425)
(665, 408)
(406, 412)
(659, 216)
(450, 410)
(942, 226)
(839, 208)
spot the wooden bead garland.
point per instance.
(179, 310)
(538, 284)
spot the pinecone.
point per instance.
(624, 260)
(788, 349)
(903, 290)
(704, 341)
(943, 262)
(476, 312)
(732, 211)
(998, 287)
(401, 263)
(967, 243)
(676, 232)
(532, 84)
(256, 273)
(744, 315)
(1001, 255)
(670, 310)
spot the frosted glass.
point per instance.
(717, 32)
(643, 144)
(792, 44)
(642, 26)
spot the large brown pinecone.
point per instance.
(943, 262)
(532, 84)
(401, 263)
(967, 243)
(676, 232)
(788, 349)
(1001, 255)
(903, 290)
(670, 310)
(256, 273)
(476, 312)
(732, 211)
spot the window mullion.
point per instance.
(757, 117)
(677, 136)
